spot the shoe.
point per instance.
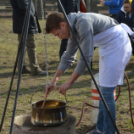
(40, 72)
(25, 70)
(95, 131)
(75, 60)
(130, 73)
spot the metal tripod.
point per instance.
(22, 45)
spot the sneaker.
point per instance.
(130, 73)
(25, 70)
(95, 131)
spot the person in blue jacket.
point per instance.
(113, 5)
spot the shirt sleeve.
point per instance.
(85, 31)
(69, 55)
(112, 3)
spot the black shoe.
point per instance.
(41, 72)
(25, 70)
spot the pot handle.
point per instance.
(56, 87)
(34, 93)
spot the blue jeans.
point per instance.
(104, 122)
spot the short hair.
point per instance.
(128, 1)
(53, 21)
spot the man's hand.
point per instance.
(49, 88)
(63, 88)
(102, 2)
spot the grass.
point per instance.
(79, 93)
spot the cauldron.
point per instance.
(53, 113)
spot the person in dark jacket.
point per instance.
(124, 15)
(113, 5)
(132, 9)
(19, 10)
(69, 6)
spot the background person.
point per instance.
(132, 9)
(125, 15)
(113, 5)
(93, 30)
(19, 10)
(69, 6)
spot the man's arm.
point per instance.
(52, 83)
(112, 3)
(86, 40)
(63, 88)
(69, 55)
(57, 75)
(66, 61)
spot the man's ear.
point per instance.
(62, 24)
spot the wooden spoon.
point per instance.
(44, 101)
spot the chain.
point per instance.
(43, 24)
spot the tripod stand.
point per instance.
(22, 45)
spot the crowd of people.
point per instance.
(118, 9)
(109, 33)
(122, 11)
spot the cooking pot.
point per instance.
(53, 113)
